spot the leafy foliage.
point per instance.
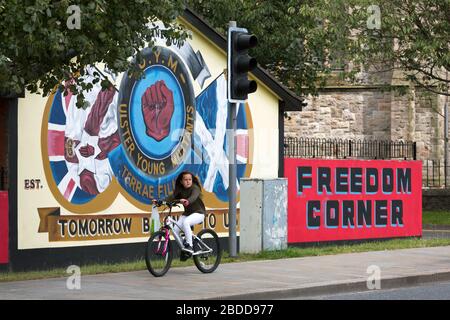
(290, 39)
(413, 36)
(300, 41)
(40, 46)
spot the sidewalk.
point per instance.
(275, 279)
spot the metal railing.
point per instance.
(345, 148)
(433, 174)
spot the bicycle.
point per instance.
(159, 253)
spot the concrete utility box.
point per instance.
(263, 215)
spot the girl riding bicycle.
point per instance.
(189, 192)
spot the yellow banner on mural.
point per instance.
(116, 226)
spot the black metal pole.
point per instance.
(232, 180)
(232, 171)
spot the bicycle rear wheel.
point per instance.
(158, 257)
(207, 262)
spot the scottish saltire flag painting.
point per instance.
(212, 138)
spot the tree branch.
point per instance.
(429, 88)
(430, 74)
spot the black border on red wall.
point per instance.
(281, 109)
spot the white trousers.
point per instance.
(185, 223)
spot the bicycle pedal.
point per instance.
(184, 256)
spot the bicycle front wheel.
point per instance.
(209, 261)
(158, 254)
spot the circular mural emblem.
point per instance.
(156, 114)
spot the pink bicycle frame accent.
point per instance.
(166, 243)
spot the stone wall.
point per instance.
(436, 199)
(366, 112)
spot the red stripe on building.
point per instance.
(4, 233)
(55, 143)
(69, 189)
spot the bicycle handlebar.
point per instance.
(170, 204)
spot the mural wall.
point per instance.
(87, 176)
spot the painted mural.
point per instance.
(135, 138)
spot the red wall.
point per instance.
(4, 227)
(331, 200)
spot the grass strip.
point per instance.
(436, 217)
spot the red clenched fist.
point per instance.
(157, 109)
(87, 151)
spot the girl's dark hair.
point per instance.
(195, 180)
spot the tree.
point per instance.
(46, 41)
(299, 40)
(291, 42)
(412, 36)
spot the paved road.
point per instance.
(251, 280)
(435, 291)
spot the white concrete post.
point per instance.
(263, 215)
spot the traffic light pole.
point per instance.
(239, 63)
(232, 173)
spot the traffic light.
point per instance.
(240, 63)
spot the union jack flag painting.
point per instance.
(79, 141)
